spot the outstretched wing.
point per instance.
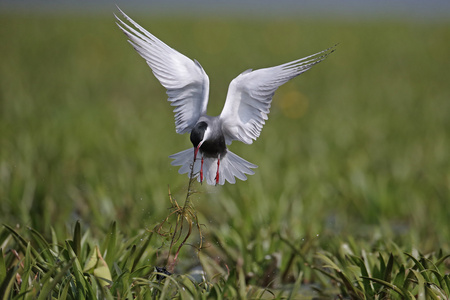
(185, 80)
(250, 95)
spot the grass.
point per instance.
(350, 198)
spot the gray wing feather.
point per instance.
(250, 95)
(185, 80)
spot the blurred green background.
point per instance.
(357, 147)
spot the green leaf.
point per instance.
(430, 294)
(439, 277)
(142, 248)
(22, 242)
(419, 266)
(387, 275)
(121, 284)
(368, 287)
(91, 262)
(382, 266)
(421, 282)
(333, 277)
(6, 285)
(54, 240)
(128, 261)
(399, 279)
(109, 246)
(328, 262)
(352, 290)
(97, 266)
(26, 270)
(447, 281)
(442, 259)
(2, 266)
(90, 293)
(105, 292)
(388, 270)
(296, 287)
(49, 282)
(77, 239)
(77, 272)
(43, 245)
(63, 294)
(408, 280)
(392, 287)
(101, 270)
(135, 255)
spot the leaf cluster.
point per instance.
(382, 275)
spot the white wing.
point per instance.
(250, 95)
(185, 80)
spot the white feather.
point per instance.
(185, 80)
(231, 166)
(250, 95)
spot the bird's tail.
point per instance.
(231, 166)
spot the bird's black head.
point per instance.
(198, 133)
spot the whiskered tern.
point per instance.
(242, 118)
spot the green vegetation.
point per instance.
(350, 198)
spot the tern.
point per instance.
(245, 111)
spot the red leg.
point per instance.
(201, 171)
(217, 174)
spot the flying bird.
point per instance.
(242, 118)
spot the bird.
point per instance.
(246, 108)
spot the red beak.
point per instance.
(196, 150)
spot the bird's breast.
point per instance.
(214, 147)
